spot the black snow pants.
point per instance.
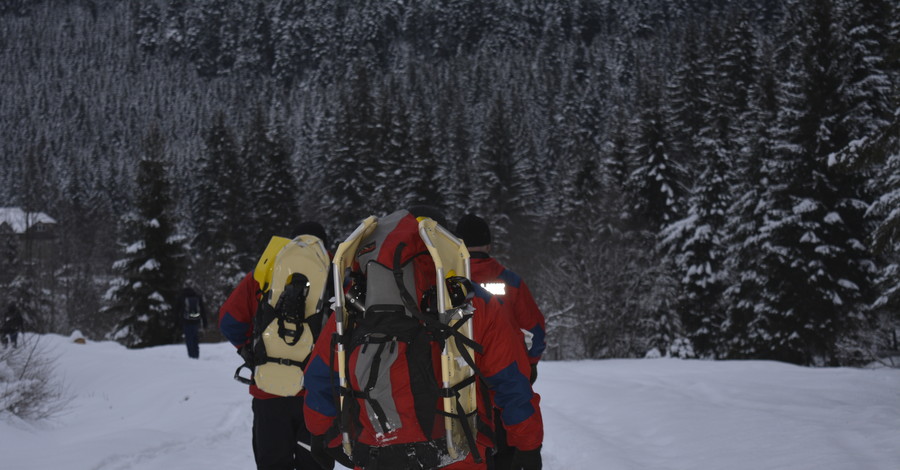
(192, 339)
(277, 427)
(502, 458)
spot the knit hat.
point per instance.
(311, 228)
(473, 230)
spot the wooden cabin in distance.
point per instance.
(26, 239)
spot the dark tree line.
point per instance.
(703, 179)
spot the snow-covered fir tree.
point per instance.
(375, 98)
(656, 181)
(349, 160)
(217, 262)
(272, 192)
(814, 271)
(153, 259)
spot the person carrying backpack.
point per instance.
(517, 299)
(280, 438)
(383, 401)
(190, 310)
(12, 326)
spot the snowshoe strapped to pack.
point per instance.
(404, 345)
(290, 313)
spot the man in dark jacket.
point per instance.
(12, 325)
(192, 313)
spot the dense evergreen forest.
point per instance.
(715, 179)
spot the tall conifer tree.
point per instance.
(809, 245)
(151, 270)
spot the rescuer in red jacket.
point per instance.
(503, 364)
(278, 422)
(505, 284)
(512, 291)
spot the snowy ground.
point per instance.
(155, 409)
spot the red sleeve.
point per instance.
(236, 314)
(506, 369)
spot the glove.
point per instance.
(533, 373)
(527, 459)
(326, 456)
(320, 452)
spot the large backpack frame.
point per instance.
(391, 326)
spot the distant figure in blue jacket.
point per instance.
(192, 313)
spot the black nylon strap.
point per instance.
(467, 430)
(446, 331)
(463, 338)
(466, 356)
(397, 269)
(286, 362)
(453, 392)
(433, 323)
(237, 375)
(283, 332)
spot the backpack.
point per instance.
(293, 275)
(192, 308)
(404, 346)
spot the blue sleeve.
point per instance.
(538, 341)
(512, 394)
(510, 278)
(233, 330)
(319, 381)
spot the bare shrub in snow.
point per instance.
(29, 386)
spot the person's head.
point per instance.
(311, 228)
(433, 213)
(474, 231)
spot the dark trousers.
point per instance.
(502, 459)
(277, 427)
(10, 337)
(192, 339)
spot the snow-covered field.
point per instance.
(155, 409)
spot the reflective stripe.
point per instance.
(495, 288)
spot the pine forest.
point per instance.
(702, 179)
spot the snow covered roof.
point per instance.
(20, 221)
